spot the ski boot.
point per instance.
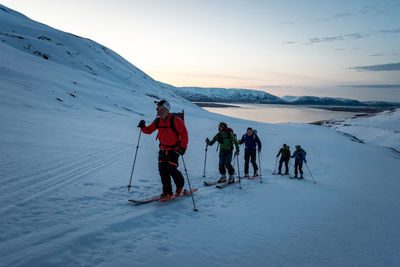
(165, 195)
(222, 179)
(231, 179)
(178, 191)
(246, 175)
(255, 174)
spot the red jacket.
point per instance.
(167, 136)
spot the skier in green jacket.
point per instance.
(226, 139)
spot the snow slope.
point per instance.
(64, 167)
(382, 129)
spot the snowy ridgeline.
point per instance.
(382, 129)
(226, 95)
(199, 94)
(69, 108)
(55, 67)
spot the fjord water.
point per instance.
(272, 113)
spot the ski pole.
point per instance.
(310, 173)
(134, 161)
(205, 162)
(259, 163)
(233, 160)
(276, 162)
(190, 187)
(240, 183)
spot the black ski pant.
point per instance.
(225, 158)
(250, 155)
(299, 165)
(281, 161)
(168, 166)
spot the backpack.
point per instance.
(286, 153)
(221, 140)
(171, 121)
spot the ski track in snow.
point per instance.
(65, 167)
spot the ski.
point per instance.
(226, 184)
(209, 183)
(298, 178)
(252, 177)
(158, 198)
(144, 201)
(184, 193)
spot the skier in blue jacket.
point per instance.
(251, 141)
(299, 155)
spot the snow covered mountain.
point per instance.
(314, 100)
(335, 101)
(382, 129)
(65, 68)
(200, 94)
(69, 110)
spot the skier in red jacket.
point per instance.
(173, 137)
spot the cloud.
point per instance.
(342, 37)
(384, 54)
(397, 30)
(381, 67)
(378, 86)
(289, 42)
(344, 15)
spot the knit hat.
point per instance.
(163, 103)
(223, 125)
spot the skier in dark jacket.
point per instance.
(226, 140)
(173, 142)
(251, 141)
(300, 156)
(285, 152)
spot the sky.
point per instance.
(323, 48)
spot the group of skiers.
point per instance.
(299, 155)
(173, 138)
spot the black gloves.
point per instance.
(181, 151)
(142, 124)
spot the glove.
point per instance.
(305, 161)
(142, 124)
(181, 151)
(237, 153)
(207, 141)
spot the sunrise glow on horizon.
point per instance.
(340, 49)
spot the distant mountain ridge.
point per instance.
(201, 94)
(225, 95)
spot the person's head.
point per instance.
(162, 108)
(284, 145)
(249, 131)
(222, 126)
(298, 147)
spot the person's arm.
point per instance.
(149, 129)
(294, 154)
(213, 140)
(258, 143)
(280, 151)
(183, 133)
(241, 140)
(235, 142)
